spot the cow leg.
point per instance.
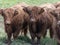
(8, 41)
(16, 33)
(58, 43)
(38, 39)
(54, 26)
(32, 38)
(44, 35)
(58, 35)
(25, 26)
(8, 30)
(25, 31)
(32, 30)
(51, 33)
(58, 40)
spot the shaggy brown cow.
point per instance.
(56, 13)
(21, 6)
(48, 7)
(8, 14)
(40, 21)
(20, 21)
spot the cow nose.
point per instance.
(8, 22)
(58, 23)
(32, 20)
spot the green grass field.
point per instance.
(23, 40)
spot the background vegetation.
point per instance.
(23, 40)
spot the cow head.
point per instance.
(56, 13)
(7, 14)
(33, 12)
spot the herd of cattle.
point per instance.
(36, 19)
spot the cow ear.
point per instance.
(26, 10)
(54, 13)
(15, 12)
(41, 10)
(1, 12)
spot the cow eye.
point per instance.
(29, 12)
(15, 13)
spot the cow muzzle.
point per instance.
(8, 22)
(32, 20)
(58, 23)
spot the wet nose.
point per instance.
(32, 20)
(8, 22)
(58, 22)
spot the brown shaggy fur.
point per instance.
(48, 7)
(20, 21)
(56, 13)
(40, 21)
(8, 14)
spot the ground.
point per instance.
(23, 40)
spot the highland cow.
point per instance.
(8, 14)
(56, 13)
(48, 7)
(20, 21)
(39, 22)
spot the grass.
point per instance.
(23, 40)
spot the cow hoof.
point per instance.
(33, 43)
(7, 42)
(58, 43)
(37, 44)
